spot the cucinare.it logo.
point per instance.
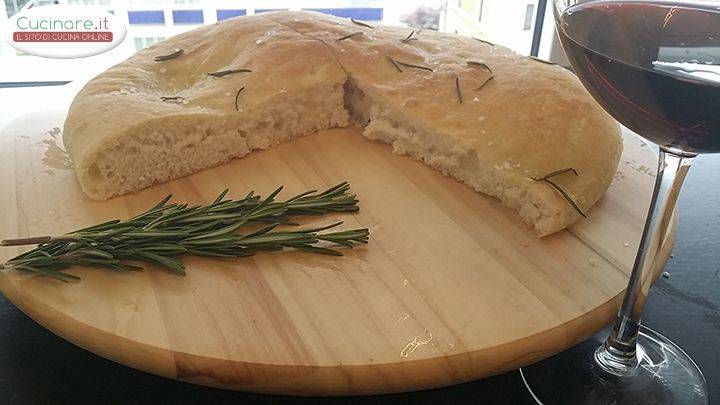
(64, 31)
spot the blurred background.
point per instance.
(30, 82)
(511, 23)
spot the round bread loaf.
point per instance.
(493, 119)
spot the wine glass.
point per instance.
(653, 65)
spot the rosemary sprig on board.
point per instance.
(348, 36)
(224, 73)
(546, 179)
(173, 55)
(360, 23)
(163, 233)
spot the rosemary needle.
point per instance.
(409, 37)
(173, 55)
(171, 98)
(566, 196)
(483, 41)
(479, 64)
(348, 36)
(360, 23)
(536, 59)
(546, 179)
(485, 82)
(165, 232)
(484, 66)
(458, 91)
(410, 65)
(556, 173)
(236, 97)
(397, 64)
(224, 73)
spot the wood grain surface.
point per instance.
(452, 286)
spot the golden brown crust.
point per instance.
(530, 119)
(129, 93)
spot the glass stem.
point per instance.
(618, 355)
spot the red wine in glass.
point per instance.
(655, 66)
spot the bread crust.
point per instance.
(530, 119)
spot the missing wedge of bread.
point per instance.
(519, 119)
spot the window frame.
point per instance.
(529, 14)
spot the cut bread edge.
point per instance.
(173, 146)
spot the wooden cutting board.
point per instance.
(452, 286)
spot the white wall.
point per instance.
(506, 21)
(502, 22)
(14, 68)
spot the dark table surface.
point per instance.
(38, 367)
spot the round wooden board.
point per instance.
(452, 286)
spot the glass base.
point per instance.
(666, 375)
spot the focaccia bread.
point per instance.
(478, 112)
